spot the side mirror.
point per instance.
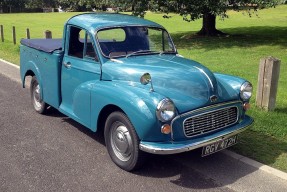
(146, 79)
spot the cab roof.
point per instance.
(95, 21)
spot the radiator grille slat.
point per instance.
(210, 121)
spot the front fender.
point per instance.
(138, 104)
(229, 86)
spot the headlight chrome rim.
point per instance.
(246, 91)
(165, 110)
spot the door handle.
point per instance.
(67, 65)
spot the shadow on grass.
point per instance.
(281, 110)
(263, 148)
(238, 37)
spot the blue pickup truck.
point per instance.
(123, 75)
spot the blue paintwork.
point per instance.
(84, 90)
(48, 75)
(178, 78)
(76, 98)
(95, 21)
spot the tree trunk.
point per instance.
(209, 26)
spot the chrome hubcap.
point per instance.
(121, 142)
(37, 99)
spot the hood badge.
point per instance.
(213, 98)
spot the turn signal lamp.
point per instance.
(246, 106)
(166, 129)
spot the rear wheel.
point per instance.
(122, 142)
(39, 105)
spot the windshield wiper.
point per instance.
(141, 51)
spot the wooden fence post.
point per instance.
(48, 34)
(2, 33)
(28, 33)
(269, 69)
(14, 35)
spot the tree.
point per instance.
(40, 3)
(10, 6)
(81, 5)
(208, 10)
(138, 7)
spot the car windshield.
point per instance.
(134, 40)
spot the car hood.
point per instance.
(187, 83)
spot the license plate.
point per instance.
(218, 146)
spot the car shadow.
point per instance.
(52, 112)
(174, 168)
(97, 136)
(188, 170)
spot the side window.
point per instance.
(80, 44)
(76, 43)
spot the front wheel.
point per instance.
(39, 105)
(122, 142)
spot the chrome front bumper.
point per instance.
(166, 148)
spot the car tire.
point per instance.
(122, 142)
(35, 90)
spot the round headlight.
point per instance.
(246, 91)
(165, 110)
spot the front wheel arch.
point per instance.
(103, 115)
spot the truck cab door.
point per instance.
(80, 70)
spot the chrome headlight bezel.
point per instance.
(165, 110)
(246, 91)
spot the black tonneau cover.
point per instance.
(46, 45)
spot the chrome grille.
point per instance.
(210, 121)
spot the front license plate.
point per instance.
(217, 146)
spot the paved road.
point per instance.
(54, 153)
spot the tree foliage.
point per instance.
(194, 9)
(71, 5)
(191, 10)
(138, 7)
(39, 3)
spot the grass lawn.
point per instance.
(238, 54)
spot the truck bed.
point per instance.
(44, 58)
(46, 45)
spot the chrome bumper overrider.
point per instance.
(191, 144)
